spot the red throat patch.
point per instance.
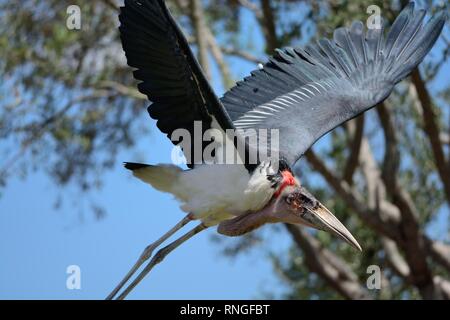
(288, 180)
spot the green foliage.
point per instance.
(58, 92)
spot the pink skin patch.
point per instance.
(288, 180)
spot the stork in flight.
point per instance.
(301, 92)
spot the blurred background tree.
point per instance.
(385, 174)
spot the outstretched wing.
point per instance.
(307, 92)
(171, 76)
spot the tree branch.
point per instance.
(369, 214)
(241, 54)
(395, 258)
(439, 251)
(413, 244)
(391, 156)
(219, 58)
(412, 241)
(327, 265)
(431, 129)
(112, 4)
(197, 16)
(266, 19)
(356, 130)
(122, 89)
(252, 7)
(389, 228)
(268, 24)
(445, 138)
(443, 287)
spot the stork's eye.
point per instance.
(292, 200)
(307, 201)
(289, 199)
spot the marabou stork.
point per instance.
(303, 93)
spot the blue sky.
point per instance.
(38, 242)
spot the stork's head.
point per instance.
(295, 205)
(291, 203)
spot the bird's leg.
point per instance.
(146, 254)
(159, 256)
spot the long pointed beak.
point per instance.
(321, 218)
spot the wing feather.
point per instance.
(304, 93)
(169, 73)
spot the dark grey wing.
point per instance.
(171, 76)
(307, 92)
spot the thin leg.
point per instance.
(159, 256)
(148, 253)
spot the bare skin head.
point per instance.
(295, 205)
